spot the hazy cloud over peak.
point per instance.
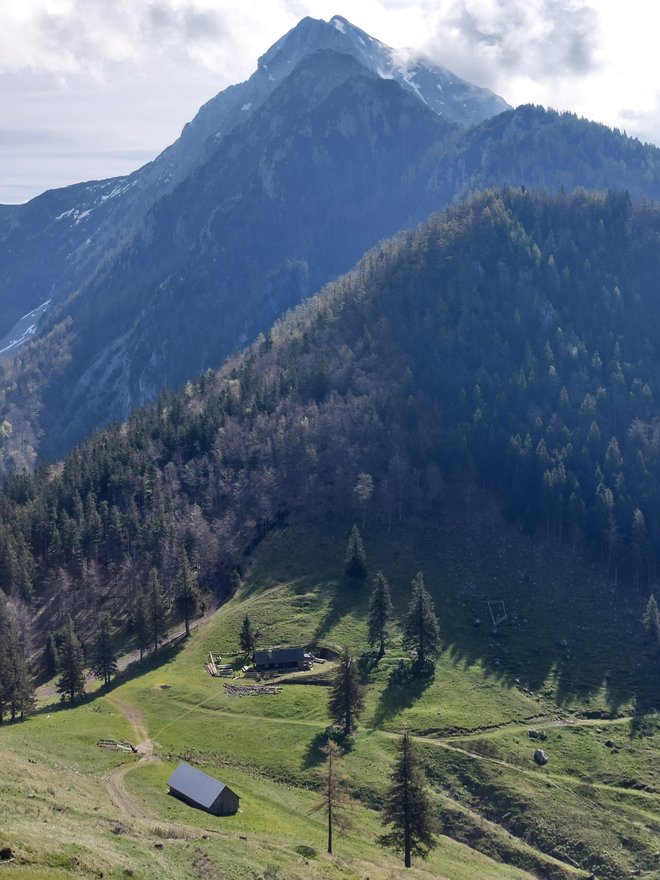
(122, 77)
(545, 39)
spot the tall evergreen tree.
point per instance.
(407, 807)
(21, 693)
(156, 607)
(51, 655)
(420, 627)
(651, 619)
(5, 657)
(104, 660)
(71, 683)
(347, 695)
(380, 613)
(188, 598)
(247, 636)
(140, 621)
(355, 563)
(16, 686)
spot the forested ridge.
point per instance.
(509, 343)
(334, 161)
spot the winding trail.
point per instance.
(115, 785)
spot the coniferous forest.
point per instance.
(508, 345)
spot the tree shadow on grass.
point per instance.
(405, 686)
(367, 664)
(345, 599)
(314, 755)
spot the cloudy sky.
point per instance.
(95, 88)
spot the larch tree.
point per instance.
(140, 621)
(363, 490)
(333, 798)
(156, 610)
(347, 695)
(71, 683)
(407, 808)
(380, 613)
(420, 627)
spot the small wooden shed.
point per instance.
(201, 791)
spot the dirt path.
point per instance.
(115, 784)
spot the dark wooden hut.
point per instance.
(201, 791)
(280, 658)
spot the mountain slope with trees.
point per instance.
(303, 178)
(508, 344)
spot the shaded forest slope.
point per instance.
(508, 344)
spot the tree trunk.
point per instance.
(330, 825)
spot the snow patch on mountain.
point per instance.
(22, 331)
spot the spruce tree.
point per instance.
(407, 807)
(16, 687)
(420, 627)
(355, 563)
(380, 613)
(651, 619)
(188, 598)
(51, 655)
(247, 636)
(21, 693)
(104, 660)
(71, 682)
(347, 695)
(5, 658)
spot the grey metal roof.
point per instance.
(195, 785)
(279, 655)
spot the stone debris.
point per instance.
(243, 690)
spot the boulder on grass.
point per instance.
(540, 757)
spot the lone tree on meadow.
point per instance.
(380, 613)
(407, 807)
(248, 636)
(347, 695)
(333, 797)
(355, 563)
(71, 683)
(104, 660)
(420, 627)
(188, 598)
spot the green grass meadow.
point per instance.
(594, 807)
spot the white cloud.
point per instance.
(119, 78)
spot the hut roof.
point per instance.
(279, 655)
(195, 785)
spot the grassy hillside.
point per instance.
(73, 808)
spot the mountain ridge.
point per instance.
(333, 159)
